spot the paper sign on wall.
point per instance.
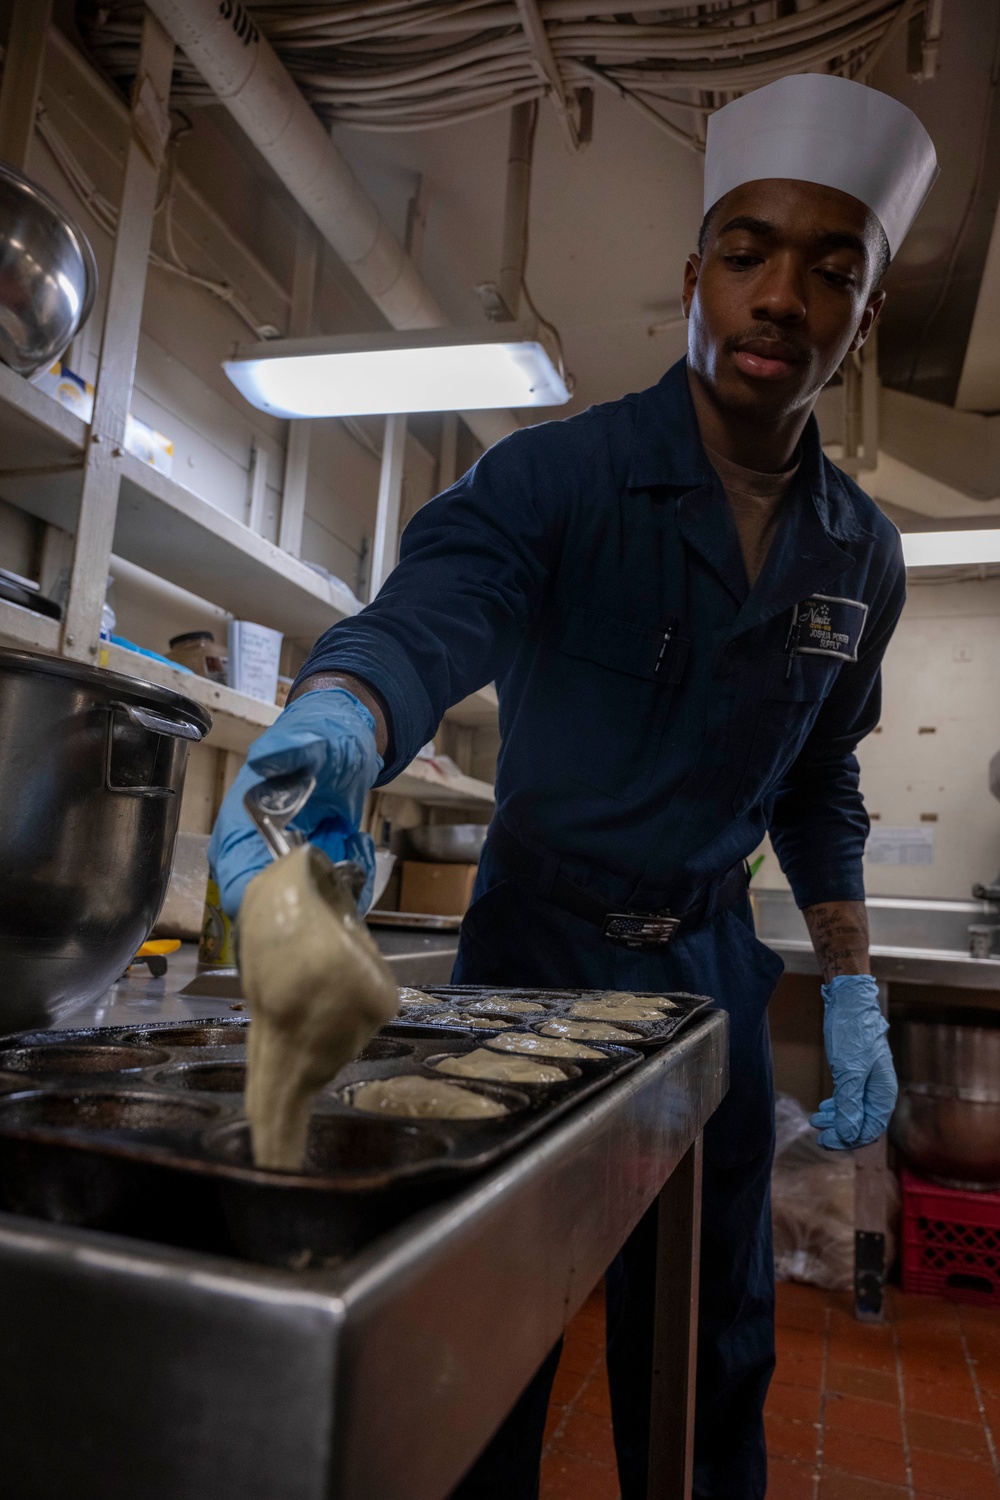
(900, 846)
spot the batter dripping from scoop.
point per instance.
(318, 989)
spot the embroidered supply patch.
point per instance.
(825, 626)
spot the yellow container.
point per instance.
(216, 949)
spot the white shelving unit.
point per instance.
(239, 719)
(159, 525)
(479, 708)
(236, 719)
(176, 534)
(424, 783)
(26, 630)
(80, 478)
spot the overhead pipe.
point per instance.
(517, 205)
(242, 69)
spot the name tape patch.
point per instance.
(825, 626)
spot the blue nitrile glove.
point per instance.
(864, 1079)
(333, 735)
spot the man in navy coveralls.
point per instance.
(684, 606)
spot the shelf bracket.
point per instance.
(148, 130)
(448, 453)
(293, 498)
(385, 546)
(390, 491)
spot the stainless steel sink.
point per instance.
(913, 941)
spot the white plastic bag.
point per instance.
(812, 1204)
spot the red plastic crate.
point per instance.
(951, 1242)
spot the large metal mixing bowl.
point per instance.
(48, 275)
(947, 1121)
(91, 772)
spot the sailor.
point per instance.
(684, 605)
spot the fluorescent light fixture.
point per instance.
(424, 369)
(949, 549)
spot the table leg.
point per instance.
(675, 1331)
(871, 1215)
(871, 1191)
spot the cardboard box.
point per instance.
(441, 890)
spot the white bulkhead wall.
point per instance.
(925, 767)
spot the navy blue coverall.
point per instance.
(657, 717)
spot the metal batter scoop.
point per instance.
(273, 803)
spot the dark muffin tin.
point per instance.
(448, 999)
(142, 1130)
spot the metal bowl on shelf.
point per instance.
(947, 1120)
(48, 276)
(449, 843)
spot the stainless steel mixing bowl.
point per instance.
(48, 275)
(91, 772)
(947, 1121)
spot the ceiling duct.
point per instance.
(245, 74)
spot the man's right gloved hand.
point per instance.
(857, 1049)
(332, 734)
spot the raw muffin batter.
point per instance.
(475, 1023)
(484, 1064)
(661, 1002)
(409, 996)
(587, 1031)
(498, 1006)
(412, 1097)
(318, 988)
(626, 1009)
(542, 1046)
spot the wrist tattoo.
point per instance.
(839, 932)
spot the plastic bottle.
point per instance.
(108, 617)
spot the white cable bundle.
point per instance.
(400, 65)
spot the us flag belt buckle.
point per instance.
(640, 929)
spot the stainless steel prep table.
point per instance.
(187, 993)
(134, 1372)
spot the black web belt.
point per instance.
(633, 929)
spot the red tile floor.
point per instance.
(908, 1411)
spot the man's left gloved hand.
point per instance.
(864, 1079)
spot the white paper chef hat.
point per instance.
(820, 128)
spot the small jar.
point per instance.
(197, 650)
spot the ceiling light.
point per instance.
(948, 549)
(426, 369)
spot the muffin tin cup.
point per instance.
(203, 1077)
(569, 1071)
(347, 1153)
(65, 1157)
(512, 1097)
(188, 1034)
(75, 1060)
(590, 1067)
